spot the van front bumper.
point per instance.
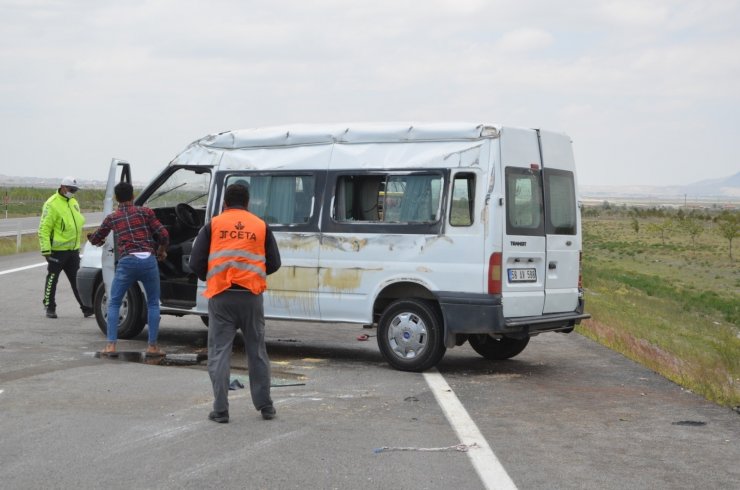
(466, 313)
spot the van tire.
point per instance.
(132, 320)
(410, 335)
(497, 349)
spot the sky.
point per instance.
(648, 90)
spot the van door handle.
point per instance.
(552, 266)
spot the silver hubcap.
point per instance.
(122, 313)
(407, 335)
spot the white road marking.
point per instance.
(22, 268)
(486, 464)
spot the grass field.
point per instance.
(19, 202)
(666, 299)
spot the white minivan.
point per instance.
(436, 234)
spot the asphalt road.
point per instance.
(566, 413)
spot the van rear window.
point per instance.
(523, 202)
(560, 202)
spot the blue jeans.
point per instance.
(129, 270)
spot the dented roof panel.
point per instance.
(316, 134)
(345, 146)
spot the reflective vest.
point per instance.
(61, 224)
(237, 253)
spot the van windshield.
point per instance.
(183, 185)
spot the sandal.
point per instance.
(109, 350)
(154, 351)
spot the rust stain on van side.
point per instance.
(432, 240)
(341, 279)
(393, 243)
(294, 288)
(348, 244)
(293, 278)
(296, 241)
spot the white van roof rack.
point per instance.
(317, 134)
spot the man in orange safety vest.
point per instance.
(234, 254)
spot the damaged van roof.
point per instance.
(317, 134)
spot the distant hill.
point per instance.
(726, 188)
(729, 187)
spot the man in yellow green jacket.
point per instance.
(59, 241)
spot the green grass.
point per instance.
(29, 242)
(8, 245)
(28, 201)
(672, 306)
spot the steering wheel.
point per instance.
(187, 215)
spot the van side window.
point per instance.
(463, 199)
(409, 198)
(523, 202)
(278, 199)
(560, 202)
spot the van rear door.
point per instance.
(523, 242)
(562, 223)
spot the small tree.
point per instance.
(662, 227)
(693, 228)
(635, 225)
(728, 226)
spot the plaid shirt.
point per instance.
(135, 228)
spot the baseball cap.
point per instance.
(70, 182)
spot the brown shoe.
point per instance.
(154, 351)
(109, 350)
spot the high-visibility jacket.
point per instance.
(61, 224)
(237, 253)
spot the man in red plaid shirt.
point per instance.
(137, 232)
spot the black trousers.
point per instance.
(64, 260)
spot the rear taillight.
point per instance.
(580, 275)
(494, 273)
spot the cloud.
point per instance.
(92, 79)
(525, 40)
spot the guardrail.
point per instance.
(19, 233)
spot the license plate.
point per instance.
(522, 275)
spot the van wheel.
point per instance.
(410, 335)
(497, 349)
(130, 319)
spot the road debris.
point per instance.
(462, 448)
(689, 423)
